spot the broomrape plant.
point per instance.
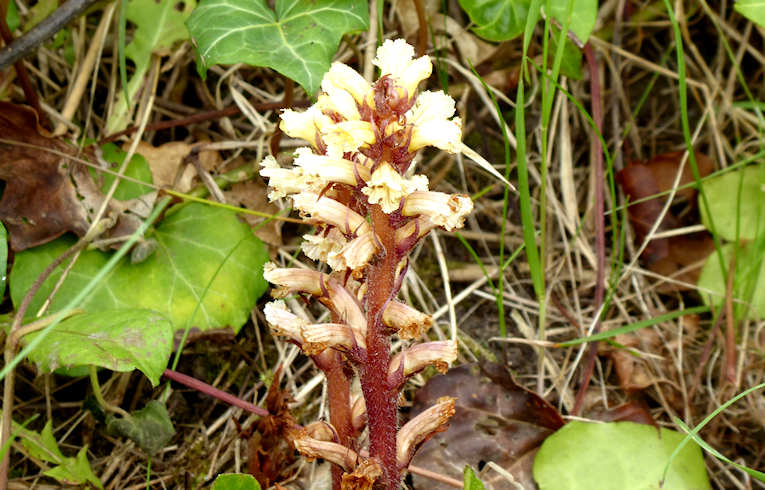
(355, 184)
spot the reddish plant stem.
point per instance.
(231, 110)
(600, 235)
(381, 399)
(340, 416)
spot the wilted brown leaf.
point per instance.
(668, 257)
(251, 194)
(46, 194)
(496, 420)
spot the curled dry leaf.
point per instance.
(46, 194)
(680, 257)
(496, 420)
(167, 163)
(251, 194)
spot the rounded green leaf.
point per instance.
(207, 272)
(583, 16)
(753, 10)
(138, 169)
(297, 39)
(619, 456)
(235, 481)
(120, 340)
(497, 20)
(749, 280)
(725, 193)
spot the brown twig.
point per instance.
(202, 117)
(600, 236)
(730, 327)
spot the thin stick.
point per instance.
(600, 236)
(43, 31)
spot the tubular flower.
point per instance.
(421, 427)
(355, 184)
(387, 187)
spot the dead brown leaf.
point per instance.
(46, 194)
(251, 194)
(496, 420)
(678, 257)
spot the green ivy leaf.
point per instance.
(471, 482)
(723, 197)
(617, 455)
(235, 481)
(159, 25)
(753, 10)
(749, 283)
(138, 169)
(502, 20)
(120, 340)
(497, 20)
(150, 427)
(70, 471)
(297, 39)
(196, 243)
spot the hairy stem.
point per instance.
(339, 388)
(379, 396)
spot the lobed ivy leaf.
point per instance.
(617, 455)
(206, 272)
(120, 340)
(297, 39)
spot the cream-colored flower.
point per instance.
(283, 321)
(330, 169)
(338, 101)
(281, 181)
(344, 77)
(332, 212)
(327, 290)
(431, 123)
(347, 136)
(395, 58)
(335, 335)
(305, 125)
(357, 252)
(414, 432)
(445, 210)
(326, 248)
(387, 187)
(330, 451)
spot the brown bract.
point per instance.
(46, 194)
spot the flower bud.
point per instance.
(330, 169)
(395, 58)
(421, 428)
(341, 76)
(305, 125)
(336, 335)
(409, 322)
(419, 356)
(329, 211)
(331, 451)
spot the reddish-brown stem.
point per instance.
(340, 416)
(381, 399)
(600, 235)
(202, 117)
